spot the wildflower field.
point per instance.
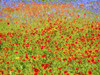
(49, 38)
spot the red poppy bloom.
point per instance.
(50, 70)
(35, 73)
(12, 70)
(96, 51)
(76, 69)
(34, 57)
(1, 71)
(59, 68)
(89, 72)
(19, 70)
(42, 65)
(61, 36)
(65, 72)
(27, 44)
(59, 73)
(78, 15)
(0, 34)
(70, 37)
(8, 23)
(47, 36)
(43, 56)
(21, 74)
(55, 42)
(46, 65)
(84, 13)
(16, 52)
(36, 70)
(8, 62)
(26, 56)
(32, 33)
(25, 31)
(64, 59)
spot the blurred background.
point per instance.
(92, 5)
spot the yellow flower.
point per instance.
(69, 17)
(54, 29)
(17, 57)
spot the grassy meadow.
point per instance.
(49, 39)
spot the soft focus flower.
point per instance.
(36, 70)
(89, 72)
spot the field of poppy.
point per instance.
(49, 39)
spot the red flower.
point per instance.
(35, 73)
(84, 13)
(4, 39)
(34, 57)
(0, 34)
(21, 74)
(16, 52)
(76, 69)
(76, 42)
(46, 65)
(59, 73)
(70, 37)
(43, 56)
(78, 15)
(65, 72)
(26, 56)
(8, 23)
(55, 42)
(59, 68)
(47, 36)
(98, 60)
(7, 62)
(89, 72)
(12, 70)
(27, 44)
(61, 36)
(1, 71)
(36, 70)
(42, 65)
(19, 70)
(96, 51)
(50, 70)
(64, 59)
(25, 31)
(86, 52)
(32, 33)
(42, 47)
